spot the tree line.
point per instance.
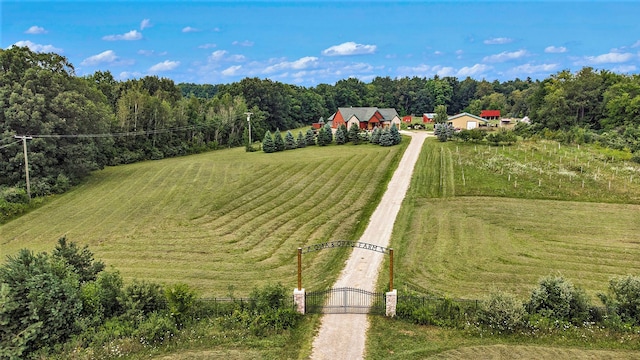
(83, 123)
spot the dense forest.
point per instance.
(78, 124)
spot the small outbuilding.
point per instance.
(466, 121)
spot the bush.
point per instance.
(142, 298)
(443, 131)
(501, 312)
(557, 298)
(375, 136)
(15, 195)
(180, 299)
(386, 139)
(624, 298)
(156, 329)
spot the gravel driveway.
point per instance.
(343, 336)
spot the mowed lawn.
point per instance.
(478, 219)
(464, 238)
(223, 222)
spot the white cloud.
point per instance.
(300, 64)
(624, 68)
(473, 70)
(349, 48)
(505, 56)
(38, 47)
(217, 55)
(444, 70)
(534, 69)
(128, 75)
(232, 70)
(164, 66)
(245, 43)
(131, 35)
(35, 30)
(146, 23)
(555, 49)
(612, 57)
(151, 53)
(189, 29)
(437, 52)
(498, 41)
(207, 46)
(108, 56)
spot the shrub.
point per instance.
(142, 298)
(502, 312)
(395, 135)
(443, 131)
(180, 300)
(557, 298)
(386, 139)
(156, 329)
(624, 298)
(15, 195)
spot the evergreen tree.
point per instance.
(268, 145)
(386, 139)
(443, 131)
(325, 136)
(395, 135)
(310, 138)
(301, 140)
(289, 141)
(278, 141)
(354, 134)
(341, 135)
(375, 136)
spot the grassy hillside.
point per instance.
(219, 221)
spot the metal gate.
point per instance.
(345, 300)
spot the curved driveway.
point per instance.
(343, 336)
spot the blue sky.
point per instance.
(311, 42)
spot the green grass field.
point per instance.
(480, 218)
(220, 220)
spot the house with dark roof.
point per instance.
(367, 118)
(466, 121)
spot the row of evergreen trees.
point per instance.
(380, 136)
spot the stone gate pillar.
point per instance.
(392, 301)
(299, 300)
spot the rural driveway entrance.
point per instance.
(343, 336)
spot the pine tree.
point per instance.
(395, 135)
(268, 145)
(289, 141)
(341, 135)
(325, 136)
(375, 136)
(278, 141)
(354, 134)
(310, 138)
(386, 139)
(301, 141)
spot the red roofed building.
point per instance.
(490, 114)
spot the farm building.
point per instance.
(428, 117)
(407, 118)
(367, 118)
(466, 121)
(490, 114)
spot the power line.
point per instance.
(122, 134)
(7, 145)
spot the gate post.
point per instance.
(391, 299)
(299, 300)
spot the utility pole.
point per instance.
(249, 121)
(26, 161)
